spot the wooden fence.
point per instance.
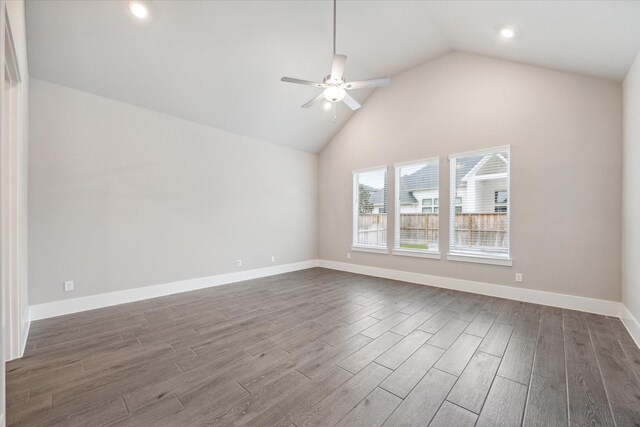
(418, 230)
(422, 229)
(372, 229)
(481, 230)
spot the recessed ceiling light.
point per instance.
(138, 9)
(327, 105)
(507, 33)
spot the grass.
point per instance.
(422, 247)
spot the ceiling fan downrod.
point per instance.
(334, 85)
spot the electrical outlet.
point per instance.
(273, 258)
(239, 263)
(68, 285)
(348, 255)
(518, 277)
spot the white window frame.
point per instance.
(355, 247)
(461, 256)
(397, 250)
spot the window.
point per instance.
(416, 221)
(370, 210)
(479, 220)
(500, 200)
(501, 196)
(426, 206)
(458, 204)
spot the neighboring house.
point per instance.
(419, 191)
(481, 187)
(484, 187)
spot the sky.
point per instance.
(375, 179)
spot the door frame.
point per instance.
(10, 194)
(11, 133)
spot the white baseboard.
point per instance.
(75, 305)
(632, 324)
(26, 325)
(591, 305)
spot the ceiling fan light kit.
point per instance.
(334, 93)
(334, 85)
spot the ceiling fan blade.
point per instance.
(382, 81)
(351, 103)
(313, 101)
(337, 68)
(301, 82)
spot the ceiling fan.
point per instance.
(334, 85)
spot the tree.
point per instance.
(364, 198)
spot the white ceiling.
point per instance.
(219, 62)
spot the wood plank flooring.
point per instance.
(322, 347)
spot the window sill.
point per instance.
(508, 262)
(371, 249)
(418, 254)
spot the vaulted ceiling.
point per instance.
(219, 63)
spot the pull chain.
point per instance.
(333, 104)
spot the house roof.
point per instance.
(465, 164)
(487, 162)
(425, 178)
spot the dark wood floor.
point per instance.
(321, 347)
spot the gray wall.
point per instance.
(122, 197)
(565, 131)
(631, 192)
